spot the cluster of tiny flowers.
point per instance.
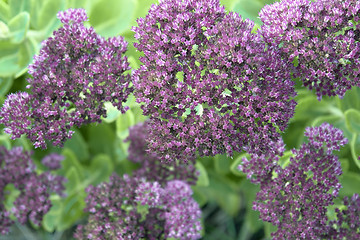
(32, 203)
(322, 36)
(208, 83)
(347, 224)
(152, 168)
(132, 208)
(75, 73)
(260, 165)
(52, 161)
(296, 197)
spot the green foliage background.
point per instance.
(95, 151)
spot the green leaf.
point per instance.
(101, 168)
(350, 100)
(51, 218)
(4, 31)
(285, 159)
(19, 26)
(112, 17)
(73, 183)
(234, 168)
(229, 4)
(203, 179)
(349, 182)
(4, 12)
(5, 85)
(9, 65)
(123, 123)
(72, 210)
(5, 141)
(18, 6)
(71, 161)
(112, 113)
(352, 119)
(199, 196)
(248, 9)
(10, 195)
(26, 54)
(101, 139)
(309, 107)
(354, 147)
(78, 145)
(47, 15)
(222, 163)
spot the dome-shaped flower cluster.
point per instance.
(207, 82)
(75, 73)
(33, 202)
(296, 197)
(321, 37)
(133, 208)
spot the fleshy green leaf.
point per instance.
(4, 12)
(203, 179)
(71, 161)
(9, 65)
(352, 118)
(101, 168)
(47, 15)
(234, 168)
(355, 149)
(112, 17)
(18, 6)
(222, 164)
(72, 210)
(248, 9)
(78, 145)
(51, 218)
(19, 26)
(100, 139)
(5, 85)
(350, 184)
(123, 123)
(73, 183)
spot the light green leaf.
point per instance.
(4, 12)
(78, 145)
(123, 123)
(72, 210)
(9, 65)
(354, 147)
(71, 161)
(113, 17)
(73, 181)
(352, 119)
(234, 168)
(101, 168)
(248, 9)
(26, 54)
(5, 85)
(18, 6)
(112, 113)
(47, 16)
(350, 100)
(4, 31)
(19, 26)
(203, 179)
(51, 218)
(229, 4)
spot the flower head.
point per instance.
(207, 82)
(17, 168)
(322, 37)
(74, 74)
(296, 197)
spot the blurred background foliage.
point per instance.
(95, 151)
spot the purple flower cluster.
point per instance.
(75, 73)
(52, 161)
(347, 224)
(152, 168)
(207, 82)
(295, 198)
(132, 208)
(32, 203)
(322, 36)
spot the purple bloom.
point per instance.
(295, 198)
(132, 208)
(52, 161)
(152, 168)
(75, 73)
(17, 168)
(322, 36)
(208, 84)
(347, 223)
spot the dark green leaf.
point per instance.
(101, 139)
(350, 184)
(71, 161)
(5, 85)
(235, 165)
(222, 164)
(101, 168)
(78, 145)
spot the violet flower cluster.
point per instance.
(347, 223)
(154, 203)
(322, 37)
(208, 84)
(295, 198)
(75, 73)
(133, 208)
(32, 203)
(152, 168)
